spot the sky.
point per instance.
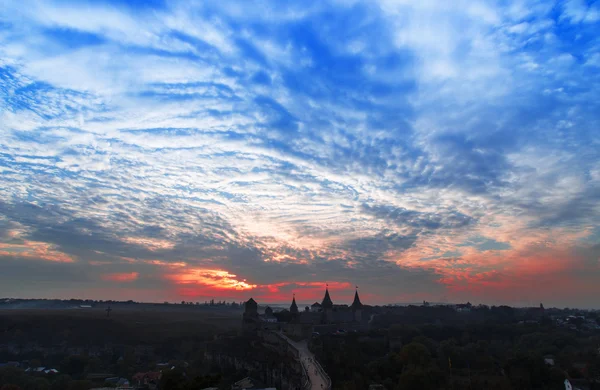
(420, 150)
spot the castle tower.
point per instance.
(356, 307)
(250, 318)
(294, 309)
(251, 308)
(327, 306)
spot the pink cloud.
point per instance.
(120, 277)
(35, 250)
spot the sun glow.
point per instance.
(214, 278)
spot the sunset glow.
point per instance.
(209, 278)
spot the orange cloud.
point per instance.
(121, 277)
(35, 250)
(197, 279)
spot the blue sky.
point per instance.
(431, 150)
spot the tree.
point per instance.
(80, 385)
(414, 354)
(421, 378)
(74, 365)
(202, 382)
(61, 382)
(594, 368)
(172, 380)
(41, 384)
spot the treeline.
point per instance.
(476, 356)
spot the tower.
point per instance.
(251, 308)
(250, 317)
(294, 309)
(268, 311)
(356, 307)
(327, 306)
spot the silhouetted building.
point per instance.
(327, 308)
(251, 320)
(357, 307)
(324, 315)
(294, 310)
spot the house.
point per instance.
(268, 316)
(148, 379)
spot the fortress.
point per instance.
(321, 317)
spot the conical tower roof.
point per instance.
(250, 303)
(294, 307)
(356, 304)
(327, 302)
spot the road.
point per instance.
(318, 379)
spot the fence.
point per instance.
(306, 385)
(323, 374)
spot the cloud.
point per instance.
(578, 11)
(151, 244)
(414, 149)
(34, 250)
(417, 220)
(120, 277)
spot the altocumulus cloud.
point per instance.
(422, 150)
